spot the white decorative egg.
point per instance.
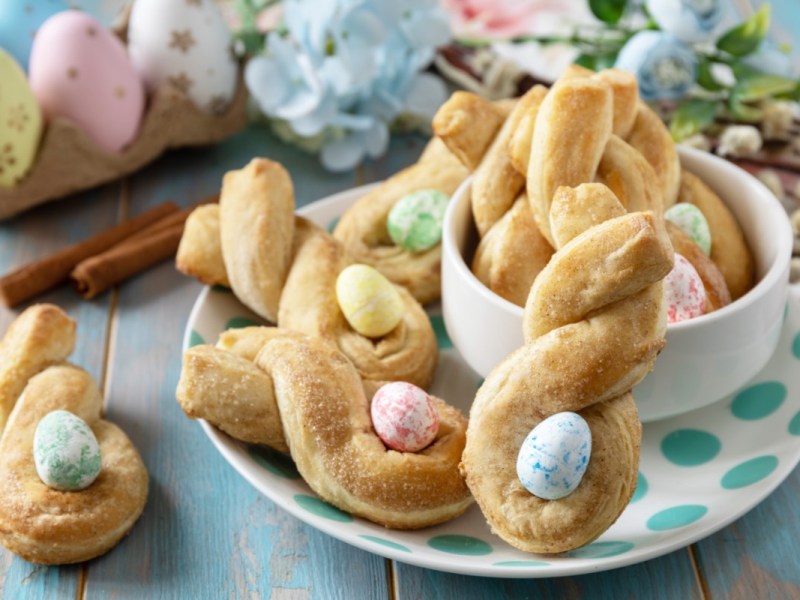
(553, 458)
(20, 122)
(186, 43)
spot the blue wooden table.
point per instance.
(206, 533)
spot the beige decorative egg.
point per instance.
(186, 43)
(20, 122)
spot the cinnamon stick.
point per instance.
(40, 276)
(140, 251)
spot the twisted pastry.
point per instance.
(311, 395)
(287, 274)
(593, 325)
(362, 228)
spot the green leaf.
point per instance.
(744, 112)
(608, 11)
(692, 116)
(747, 35)
(705, 78)
(586, 60)
(606, 61)
(761, 86)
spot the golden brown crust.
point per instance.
(199, 252)
(511, 254)
(362, 227)
(41, 336)
(308, 305)
(653, 141)
(626, 172)
(256, 207)
(729, 249)
(52, 527)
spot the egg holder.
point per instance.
(68, 161)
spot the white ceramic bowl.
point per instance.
(705, 359)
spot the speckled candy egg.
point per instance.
(368, 300)
(684, 292)
(186, 43)
(415, 221)
(79, 70)
(692, 222)
(404, 417)
(66, 452)
(20, 122)
(553, 458)
(19, 22)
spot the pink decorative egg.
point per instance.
(80, 70)
(684, 292)
(404, 417)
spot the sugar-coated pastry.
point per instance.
(42, 335)
(729, 249)
(319, 402)
(593, 324)
(199, 252)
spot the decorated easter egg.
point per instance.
(415, 221)
(692, 222)
(80, 71)
(66, 452)
(368, 300)
(553, 458)
(185, 43)
(20, 122)
(404, 416)
(684, 291)
(19, 22)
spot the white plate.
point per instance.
(698, 472)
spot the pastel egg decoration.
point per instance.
(66, 452)
(369, 301)
(684, 292)
(20, 122)
(554, 456)
(80, 71)
(19, 22)
(415, 221)
(404, 417)
(692, 222)
(186, 44)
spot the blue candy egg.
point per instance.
(554, 456)
(19, 22)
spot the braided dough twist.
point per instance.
(593, 324)
(305, 397)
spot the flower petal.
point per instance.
(342, 154)
(425, 95)
(267, 83)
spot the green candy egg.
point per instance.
(66, 452)
(415, 222)
(692, 222)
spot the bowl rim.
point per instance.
(783, 239)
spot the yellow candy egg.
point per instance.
(20, 122)
(368, 300)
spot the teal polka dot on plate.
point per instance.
(690, 447)
(796, 346)
(749, 472)
(387, 543)
(759, 400)
(442, 339)
(794, 425)
(521, 563)
(601, 550)
(275, 462)
(641, 488)
(195, 339)
(677, 516)
(460, 544)
(239, 322)
(321, 508)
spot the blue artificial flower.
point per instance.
(348, 69)
(687, 20)
(664, 66)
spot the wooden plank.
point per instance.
(206, 532)
(28, 237)
(757, 556)
(670, 576)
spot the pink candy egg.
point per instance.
(684, 292)
(80, 70)
(404, 417)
